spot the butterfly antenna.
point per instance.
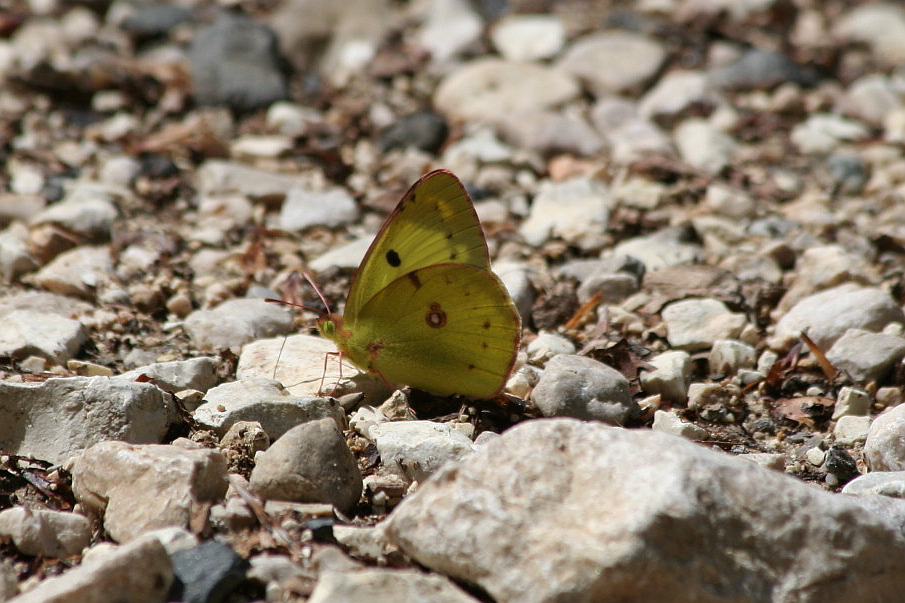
(316, 290)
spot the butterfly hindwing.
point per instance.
(434, 223)
(447, 329)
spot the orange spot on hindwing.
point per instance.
(435, 317)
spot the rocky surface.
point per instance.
(696, 207)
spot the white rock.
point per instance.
(581, 387)
(138, 488)
(487, 88)
(348, 255)
(884, 449)
(265, 401)
(879, 25)
(576, 211)
(676, 92)
(822, 133)
(703, 146)
(450, 26)
(260, 146)
(15, 257)
(883, 483)
(661, 249)
(669, 422)
(511, 519)
(850, 429)
(309, 463)
(727, 356)
(219, 176)
(866, 356)
(58, 418)
(303, 363)
(28, 332)
(670, 377)
(198, 373)
(599, 60)
(872, 98)
(416, 449)
(78, 272)
(44, 533)
(851, 402)
(815, 456)
(547, 345)
(549, 132)
(305, 208)
(138, 572)
(379, 584)
(829, 314)
(528, 37)
(120, 171)
(291, 119)
(236, 322)
(87, 209)
(695, 324)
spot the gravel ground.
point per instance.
(697, 206)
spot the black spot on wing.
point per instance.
(413, 277)
(393, 258)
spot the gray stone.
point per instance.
(629, 136)
(866, 356)
(550, 132)
(872, 98)
(580, 387)
(851, 401)
(265, 401)
(58, 418)
(236, 322)
(236, 62)
(547, 345)
(309, 463)
(661, 249)
(523, 533)
(138, 488)
(44, 533)
(415, 449)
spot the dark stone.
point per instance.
(424, 130)
(155, 19)
(206, 574)
(236, 62)
(761, 69)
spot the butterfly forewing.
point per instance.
(434, 223)
(447, 329)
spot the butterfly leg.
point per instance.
(320, 388)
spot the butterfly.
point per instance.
(424, 308)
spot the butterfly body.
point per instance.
(424, 309)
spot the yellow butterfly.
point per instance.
(424, 308)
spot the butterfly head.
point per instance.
(330, 325)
